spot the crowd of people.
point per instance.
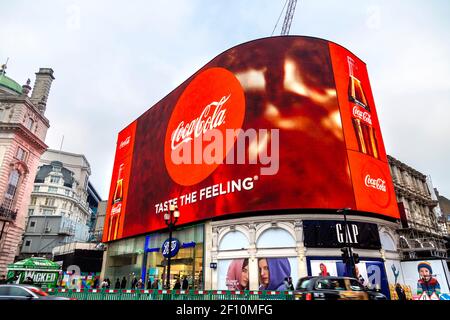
(138, 284)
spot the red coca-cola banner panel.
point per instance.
(371, 178)
(272, 124)
(118, 193)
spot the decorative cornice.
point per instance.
(26, 100)
(29, 136)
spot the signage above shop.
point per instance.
(331, 234)
(174, 248)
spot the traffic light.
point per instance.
(345, 255)
(356, 258)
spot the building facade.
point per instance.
(23, 128)
(59, 211)
(444, 204)
(93, 200)
(99, 221)
(423, 229)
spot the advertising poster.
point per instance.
(398, 289)
(233, 275)
(277, 274)
(301, 116)
(426, 276)
(370, 274)
(118, 193)
(274, 274)
(80, 281)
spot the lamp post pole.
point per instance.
(170, 218)
(350, 264)
(168, 258)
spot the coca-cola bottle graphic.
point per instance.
(362, 119)
(116, 207)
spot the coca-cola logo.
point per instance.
(125, 142)
(362, 115)
(212, 116)
(116, 208)
(375, 183)
(213, 102)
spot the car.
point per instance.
(334, 288)
(25, 292)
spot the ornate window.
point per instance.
(29, 124)
(21, 154)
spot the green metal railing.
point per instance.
(105, 294)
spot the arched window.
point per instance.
(403, 243)
(234, 240)
(387, 242)
(416, 244)
(10, 193)
(275, 238)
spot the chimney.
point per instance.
(41, 88)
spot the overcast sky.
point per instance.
(115, 59)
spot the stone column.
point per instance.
(301, 250)
(253, 261)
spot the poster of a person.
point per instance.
(427, 282)
(237, 275)
(323, 270)
(273, 272)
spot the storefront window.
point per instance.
(186, 264)
(275, 238)
(125, 259)
(235, 240)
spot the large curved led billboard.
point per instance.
(272, 124)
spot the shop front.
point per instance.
(258, 253)
(186, 258)
(142, 258)
(324, 239)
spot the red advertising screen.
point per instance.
(272, 124)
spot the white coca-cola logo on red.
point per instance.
(125, 142)
(116, 208)
(363, 115)
(376, 183)
(212, 116)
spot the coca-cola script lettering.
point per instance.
(378, 184)
(206, 121)
(116, 208)
(363, 115)
(125, 142)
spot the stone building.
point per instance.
(59, 211)
(423, 231)
(23, 128)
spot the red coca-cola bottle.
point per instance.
(362, 120)
(116, 207)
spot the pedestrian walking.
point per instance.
(117, 286)
(177, 285)
(123, 284)
(185, 285)
(134, 282)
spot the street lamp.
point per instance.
(170, 218)
(347, 253)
